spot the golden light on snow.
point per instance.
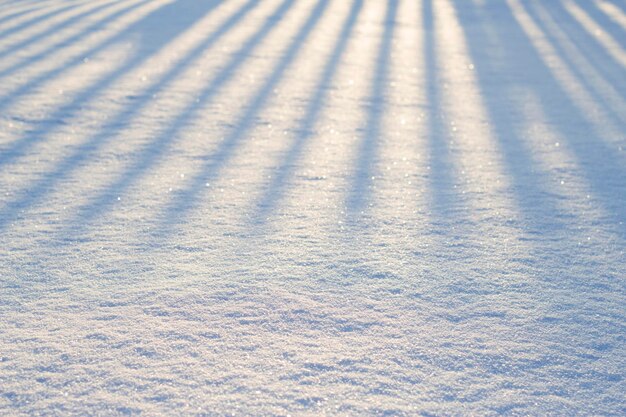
(312, 207)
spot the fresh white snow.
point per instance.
(312, 207)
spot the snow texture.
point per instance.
(312, 207)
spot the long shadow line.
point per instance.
(444, 202)
(32, 84)
(619, 5)
(55, 28)
(18, 147)
(620, 12)
(617, 31)
(157, 147)
(617, 117)
(276, 188)
(184, 200)
(530, 188)
(590, 154)
(37, 19)
(84, 151)
(365, 161)
(573, 29)
(589, 45)
(19, 13)
(54, 48)
(532, 196)
(9, 8)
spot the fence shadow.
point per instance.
(17, 14)
(364, 169)
(18, 148)
(71, 40)
(305, 129)
(87, 149)
(186, 199)
(38, 18)
(534, 190)
(445, 204)
(53, 29)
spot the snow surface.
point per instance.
(312, 207)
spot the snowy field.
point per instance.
(312, 207)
